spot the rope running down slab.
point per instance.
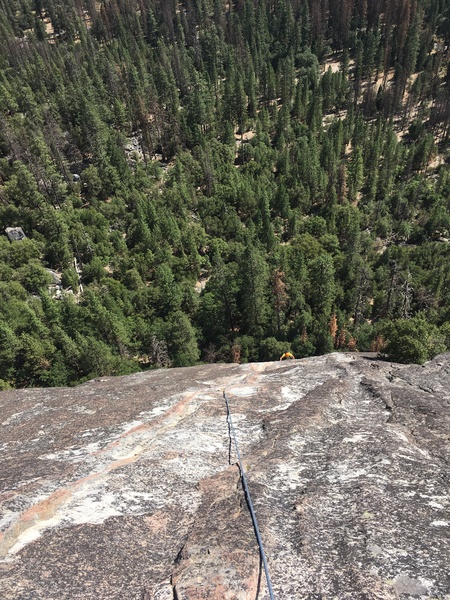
(249, 500)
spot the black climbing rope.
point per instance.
(249, 500)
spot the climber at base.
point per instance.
(286, 355)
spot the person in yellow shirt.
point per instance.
(286, 355)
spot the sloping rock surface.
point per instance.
(128, 488)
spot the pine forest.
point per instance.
(221, 181)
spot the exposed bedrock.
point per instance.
(128, 487)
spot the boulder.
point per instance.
(129, 487)
(15, 234)
(56, 277)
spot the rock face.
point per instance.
(127, 488)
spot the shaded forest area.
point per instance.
(221, 181)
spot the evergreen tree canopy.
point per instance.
(220, 181)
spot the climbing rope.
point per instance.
(249, 500)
